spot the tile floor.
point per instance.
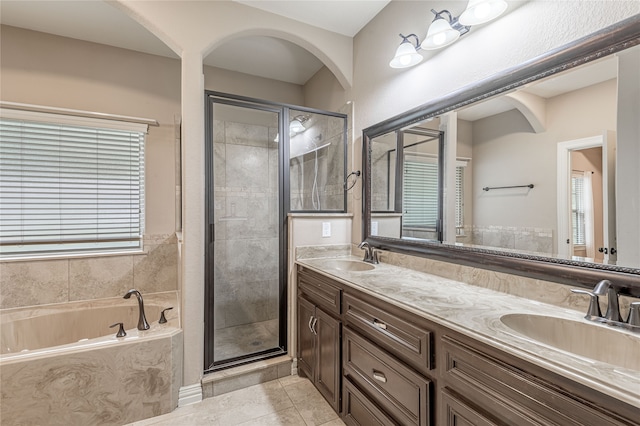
(245, 339)
(290, 401)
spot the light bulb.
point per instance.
(439, 39)
(482, 11)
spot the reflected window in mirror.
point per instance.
(421, 201)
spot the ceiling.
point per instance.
(565, 82)
(95, 21)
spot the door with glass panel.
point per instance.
(244, 317)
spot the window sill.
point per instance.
(35, 258)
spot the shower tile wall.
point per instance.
(320, 130)
(246, 224)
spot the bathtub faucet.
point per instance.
(142, 320)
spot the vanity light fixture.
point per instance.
(407, 54)
(481, 11)
(443, 31)
(446, 29)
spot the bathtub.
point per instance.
(62, 364)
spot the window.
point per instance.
(421, 194)
(69, 184)
(578, 209)
(460, 196)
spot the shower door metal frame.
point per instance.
(283, 110)
(210, 364)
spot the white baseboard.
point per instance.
(189, 394)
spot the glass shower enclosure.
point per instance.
(248, 144)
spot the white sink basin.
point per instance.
(594, 341)
(348, 265)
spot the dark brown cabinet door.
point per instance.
(328, 358)
(306, 338)
(457, 413)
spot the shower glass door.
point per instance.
(245, 316)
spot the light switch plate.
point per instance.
(326, 229)
(374, 228)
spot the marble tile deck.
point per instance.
(290, 401)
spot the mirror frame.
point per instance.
(612, 39)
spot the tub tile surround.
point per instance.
(110, 386)
(41, 282)
(100, 381)
(475, 310)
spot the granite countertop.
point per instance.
(476, 311)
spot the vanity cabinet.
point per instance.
(484, 386)
(387, 357)
(379, 364)
(319, 334)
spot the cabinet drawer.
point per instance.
(320, 290)
(514, 396)
(396, 388)
(398, 332)
(359, 411)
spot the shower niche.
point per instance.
(263, 160)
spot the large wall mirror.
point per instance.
(530, 172)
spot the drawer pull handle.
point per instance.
(379, 376)
(380, 324)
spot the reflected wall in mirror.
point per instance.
(515, 140)
(542, 160)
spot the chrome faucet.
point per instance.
(370, 254)
(142, 320)
(634, 314)
(612, 316)
(613, 308)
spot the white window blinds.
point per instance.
(420, 194)
(459, 196)
(577, 209)
(70, 188)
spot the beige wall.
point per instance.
(43, 69)
(53, 71)
(506, 152)
(323, 91)
(236, 83)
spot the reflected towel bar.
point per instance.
(486, 188)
